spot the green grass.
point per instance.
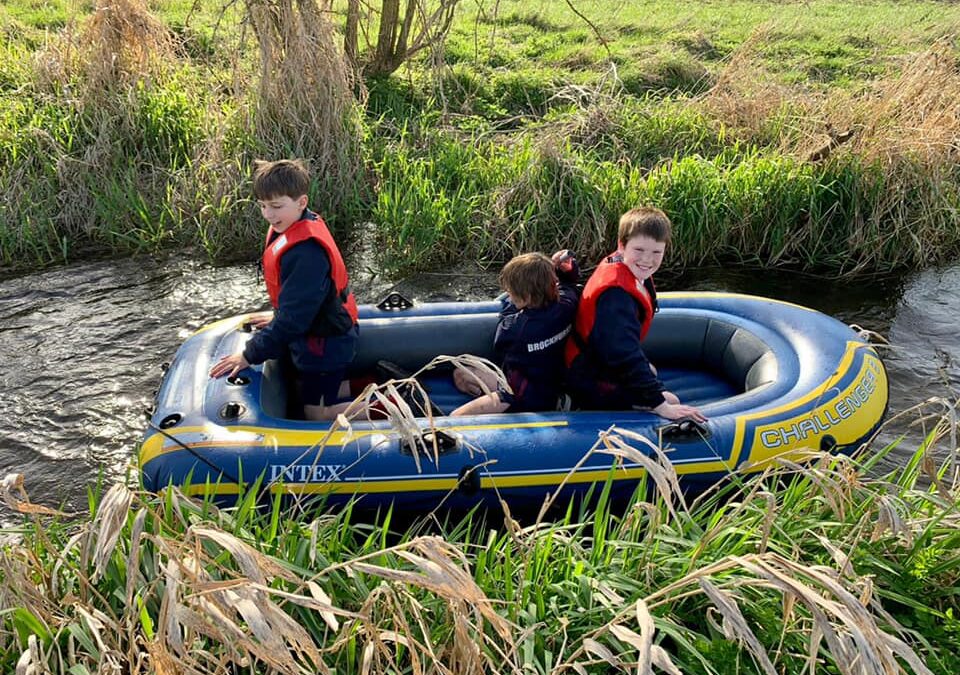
(748, 572)
(538, 134)
(848, 39)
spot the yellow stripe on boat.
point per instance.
(265, 437)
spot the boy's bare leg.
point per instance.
(468, 381)
(329, 412)
(487, 404)
(325, 412)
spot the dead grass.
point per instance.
(912, 113)
(121, 43)
(201, 595)
(307, 99)
(748, 100)
(915, 114)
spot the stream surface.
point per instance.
(81, 347)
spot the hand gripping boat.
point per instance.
(772, 378)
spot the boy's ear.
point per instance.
(302, 201)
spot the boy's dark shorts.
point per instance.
(528, 401)
(604, 395)
(321, 388)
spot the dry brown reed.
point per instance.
(849, 623)
(307, 100)
(914, 113)
(98, 68)
(442, 569)
(910, 113)
(745, 98)
(902, 130)
(121, 43)
(225, 605)
(406, 405)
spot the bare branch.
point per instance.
(593, 27)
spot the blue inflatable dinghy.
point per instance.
(772, 377)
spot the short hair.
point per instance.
(284, 177)
(530, 276)
(645, 221)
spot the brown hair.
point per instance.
(283, 178)
(647, 221)
(530, 276)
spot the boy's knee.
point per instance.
(316, 412)
(466, 382)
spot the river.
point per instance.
(81, 347)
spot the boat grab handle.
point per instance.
(685, 430)
(394, 302)
(446, 442)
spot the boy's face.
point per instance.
(642, 255)
(282, 211)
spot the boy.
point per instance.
(315, 317)
(608, 369)
(533, 326)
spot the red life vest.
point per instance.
(314, 228)
(611, 273)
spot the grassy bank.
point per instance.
(827, 568)
(812, 135)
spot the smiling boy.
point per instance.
(607, 367)
(315, 314)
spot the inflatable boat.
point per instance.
(773, 378)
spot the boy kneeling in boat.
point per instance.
(315, 315)
(607, 367)
(532, 329)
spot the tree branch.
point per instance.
(596, 31)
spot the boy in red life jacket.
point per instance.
(533, 327)
(315, 314)
(607, 368)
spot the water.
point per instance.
(81, 346)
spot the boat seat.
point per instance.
(699, 343)
(413, 341)
(700, 359)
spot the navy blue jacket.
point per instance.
(304, 284)
(615, 339)
(529, 345)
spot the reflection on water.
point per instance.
(81, 346)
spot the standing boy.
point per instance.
(315, 314)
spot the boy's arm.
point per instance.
(304, 285)
(568, 300)
(568, 274)
(616, 336)
(507, 329)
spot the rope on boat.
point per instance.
(193, 452)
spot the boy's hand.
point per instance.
(259, 320)
(568, 271)
(675, 411)
(229, 365)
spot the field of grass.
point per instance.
(820, 135)
(823, 568)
